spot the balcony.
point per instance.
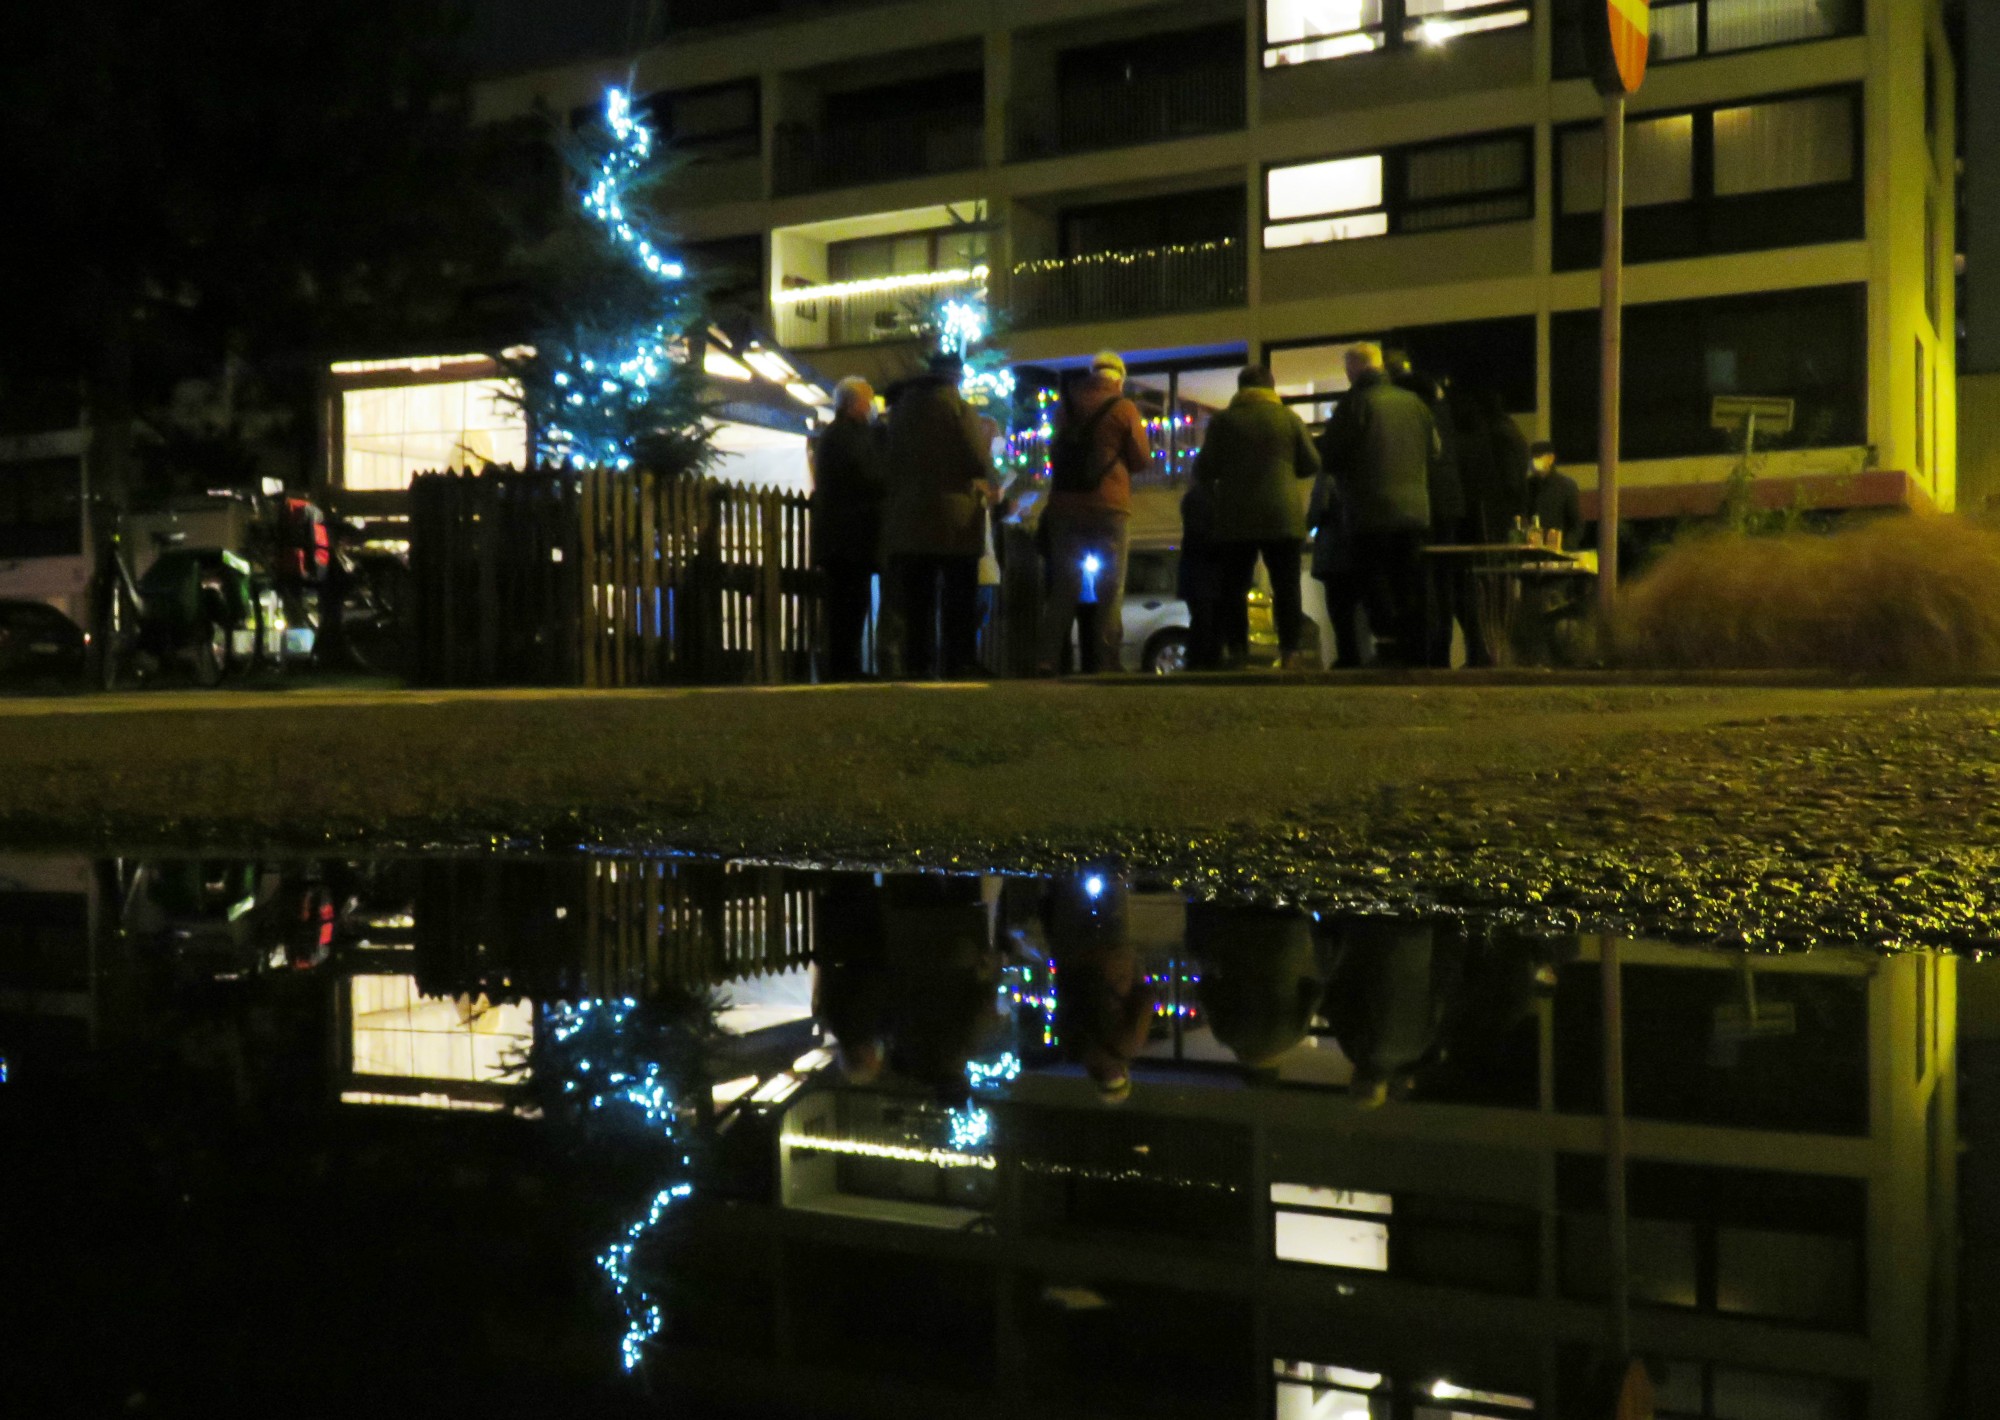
(865, 312)
(1146, 91)
(878, 150)
(1125, 285)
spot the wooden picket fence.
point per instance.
(569, 929)
(607, 579)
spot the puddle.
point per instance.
(632, 1135)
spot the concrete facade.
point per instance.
(1894, 56)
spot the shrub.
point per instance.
(1916, 596)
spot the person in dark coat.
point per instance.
(1379, 447)
(940, 484)
(1492, 461)
(1450, 589)
(848, 488)
(1553, 499)
(1255, 459)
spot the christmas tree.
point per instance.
(609, 382)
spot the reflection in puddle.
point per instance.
(842, 1143)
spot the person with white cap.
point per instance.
(1099, 446)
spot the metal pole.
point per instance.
(1615, 1211)
(1611, 352)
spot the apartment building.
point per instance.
(1204, 182)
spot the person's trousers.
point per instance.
(1238, 562)
(1390, 566)
(940, 598)
(1086, 565)
(849, 588)
(1198, 586)
(1346, 599)
(1455, 597)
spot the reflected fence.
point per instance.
(608, 579)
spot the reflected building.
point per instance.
(1357, 1170)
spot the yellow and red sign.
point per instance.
(1619, 32)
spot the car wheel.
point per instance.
(1166, 653)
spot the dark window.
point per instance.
(1427, 187)
(1304, 31)
(1688, 29)
(1743, 176)
(41, 508)
(732, 272)
(1141, 90)
(1805, 345)
(1744, 1242)
(1496, 355)
(718, 121)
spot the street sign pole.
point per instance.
(1611, 315)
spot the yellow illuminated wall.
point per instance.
(390, 435)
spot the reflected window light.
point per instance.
(1446, 1390)
(777, 1089)
(1331, 1240)
(1301, 1195)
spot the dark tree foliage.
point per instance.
(229, 194)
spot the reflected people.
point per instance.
(1260, 978)
(1385, 1001)
(1105, 1007)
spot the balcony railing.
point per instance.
(861, 312)
(847, 155)
(1121, 285)
(1151, 108)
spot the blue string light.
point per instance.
(597, 429)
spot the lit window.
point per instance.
(1305, 1391)
(1427, 187)
(1659, 164)
(1435, 22)
(1300, 31)
(400, 1031)
(388, 436)
(1318, 191)
(1792, 143)
(1299, 1195)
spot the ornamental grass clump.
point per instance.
(1897, 596)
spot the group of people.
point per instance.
(1404, 463)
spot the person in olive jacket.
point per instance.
(848, 488)
(940, 483)
(1256, 463)
(1379, 447)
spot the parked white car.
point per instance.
(1156, 619)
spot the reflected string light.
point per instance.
(640, 1090)
(945, 1158)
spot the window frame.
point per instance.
(1396, 206)
(1394, 29)
(713, 147)
(1561, 21)
(1706, 209)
